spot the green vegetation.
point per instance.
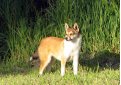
(20, 34)
(84, 77)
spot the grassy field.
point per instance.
(103, 69)
(107, 77)
(86, 76)
(22, 26)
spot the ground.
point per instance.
(86, 76)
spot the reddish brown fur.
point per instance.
(47, 45)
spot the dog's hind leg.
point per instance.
(43, 64)
(49, 65)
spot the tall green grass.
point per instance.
(98, 21)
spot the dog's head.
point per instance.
(71, 32)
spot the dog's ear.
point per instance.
(66, 26)
(75, 27)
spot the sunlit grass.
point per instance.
(84, 77)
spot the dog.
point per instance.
(62, 49)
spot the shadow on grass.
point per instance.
(101, 60)
(10, 69)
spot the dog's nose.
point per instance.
(67, 38)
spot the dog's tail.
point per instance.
(34, 56)
(34, 60)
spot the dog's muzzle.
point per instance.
(68, 38)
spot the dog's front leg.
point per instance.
(75, 64)
(63, 63)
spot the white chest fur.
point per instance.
(71, 48)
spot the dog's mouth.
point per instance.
(68, 39)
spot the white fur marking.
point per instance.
(31, 58)
(75, 65)
(71, 48)
(71, 51)
(62, 70)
